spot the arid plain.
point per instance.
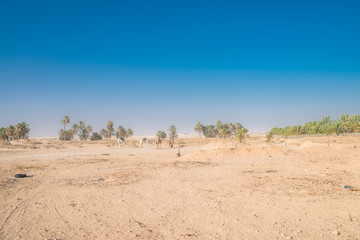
(298, 188)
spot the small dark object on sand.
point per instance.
(20, 175)
(178, 155)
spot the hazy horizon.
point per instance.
(147, 66)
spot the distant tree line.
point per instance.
(19, 131)
(86, 132)
(343, 125)
(221, 130)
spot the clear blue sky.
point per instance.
(149, 64)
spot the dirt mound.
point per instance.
(248, 151)
(311, 145)
(221, 144)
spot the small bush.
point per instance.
(269, 136)
(96, 137)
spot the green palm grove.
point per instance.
(19, 131)
(85, 132)
(345, 124)
(222, 130)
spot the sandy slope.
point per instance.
(288, 189)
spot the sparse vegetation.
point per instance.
(161, 134)
(104, 133)
(75, 130)
(223, 130)
(65, 120)
(129, 133)
(84, 131)
(66, 135)
(110, 128)
(199, 128)
(172, 136)
(240, 134)
(269, 136)
(121, 132)
(19, 131)
(95, 137)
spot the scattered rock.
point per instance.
(336, 233)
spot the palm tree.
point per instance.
(218, 125)
(25, 130)
(238, 126)
(297, 130)
(81, 125)
(316, 128)
(129, 133)
(161, 134)
(65, 121)
(103, 133)
(354, 123)
(89, 129)
(232, 128)
(240, 135)
(325, 120)
(224, 131)
(199, 128)
(344, 120)
(121, 132)
(75, 130)
(84, 134)
(110, 128)
(10, 132)
(172, 132)
(172, 135)
(337, 128)
(21, 130)
(3, 135)
(17, 131)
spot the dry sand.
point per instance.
(217, 189)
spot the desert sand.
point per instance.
(299, 188)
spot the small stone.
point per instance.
(336, 233)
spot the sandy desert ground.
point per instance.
(217, 189)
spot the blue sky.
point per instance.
(147, 65)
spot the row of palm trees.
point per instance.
(161, 135)
(86, 132)
(120, 132)
(221, 130)
(343, 125)
(80, 130)
(19, 131)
